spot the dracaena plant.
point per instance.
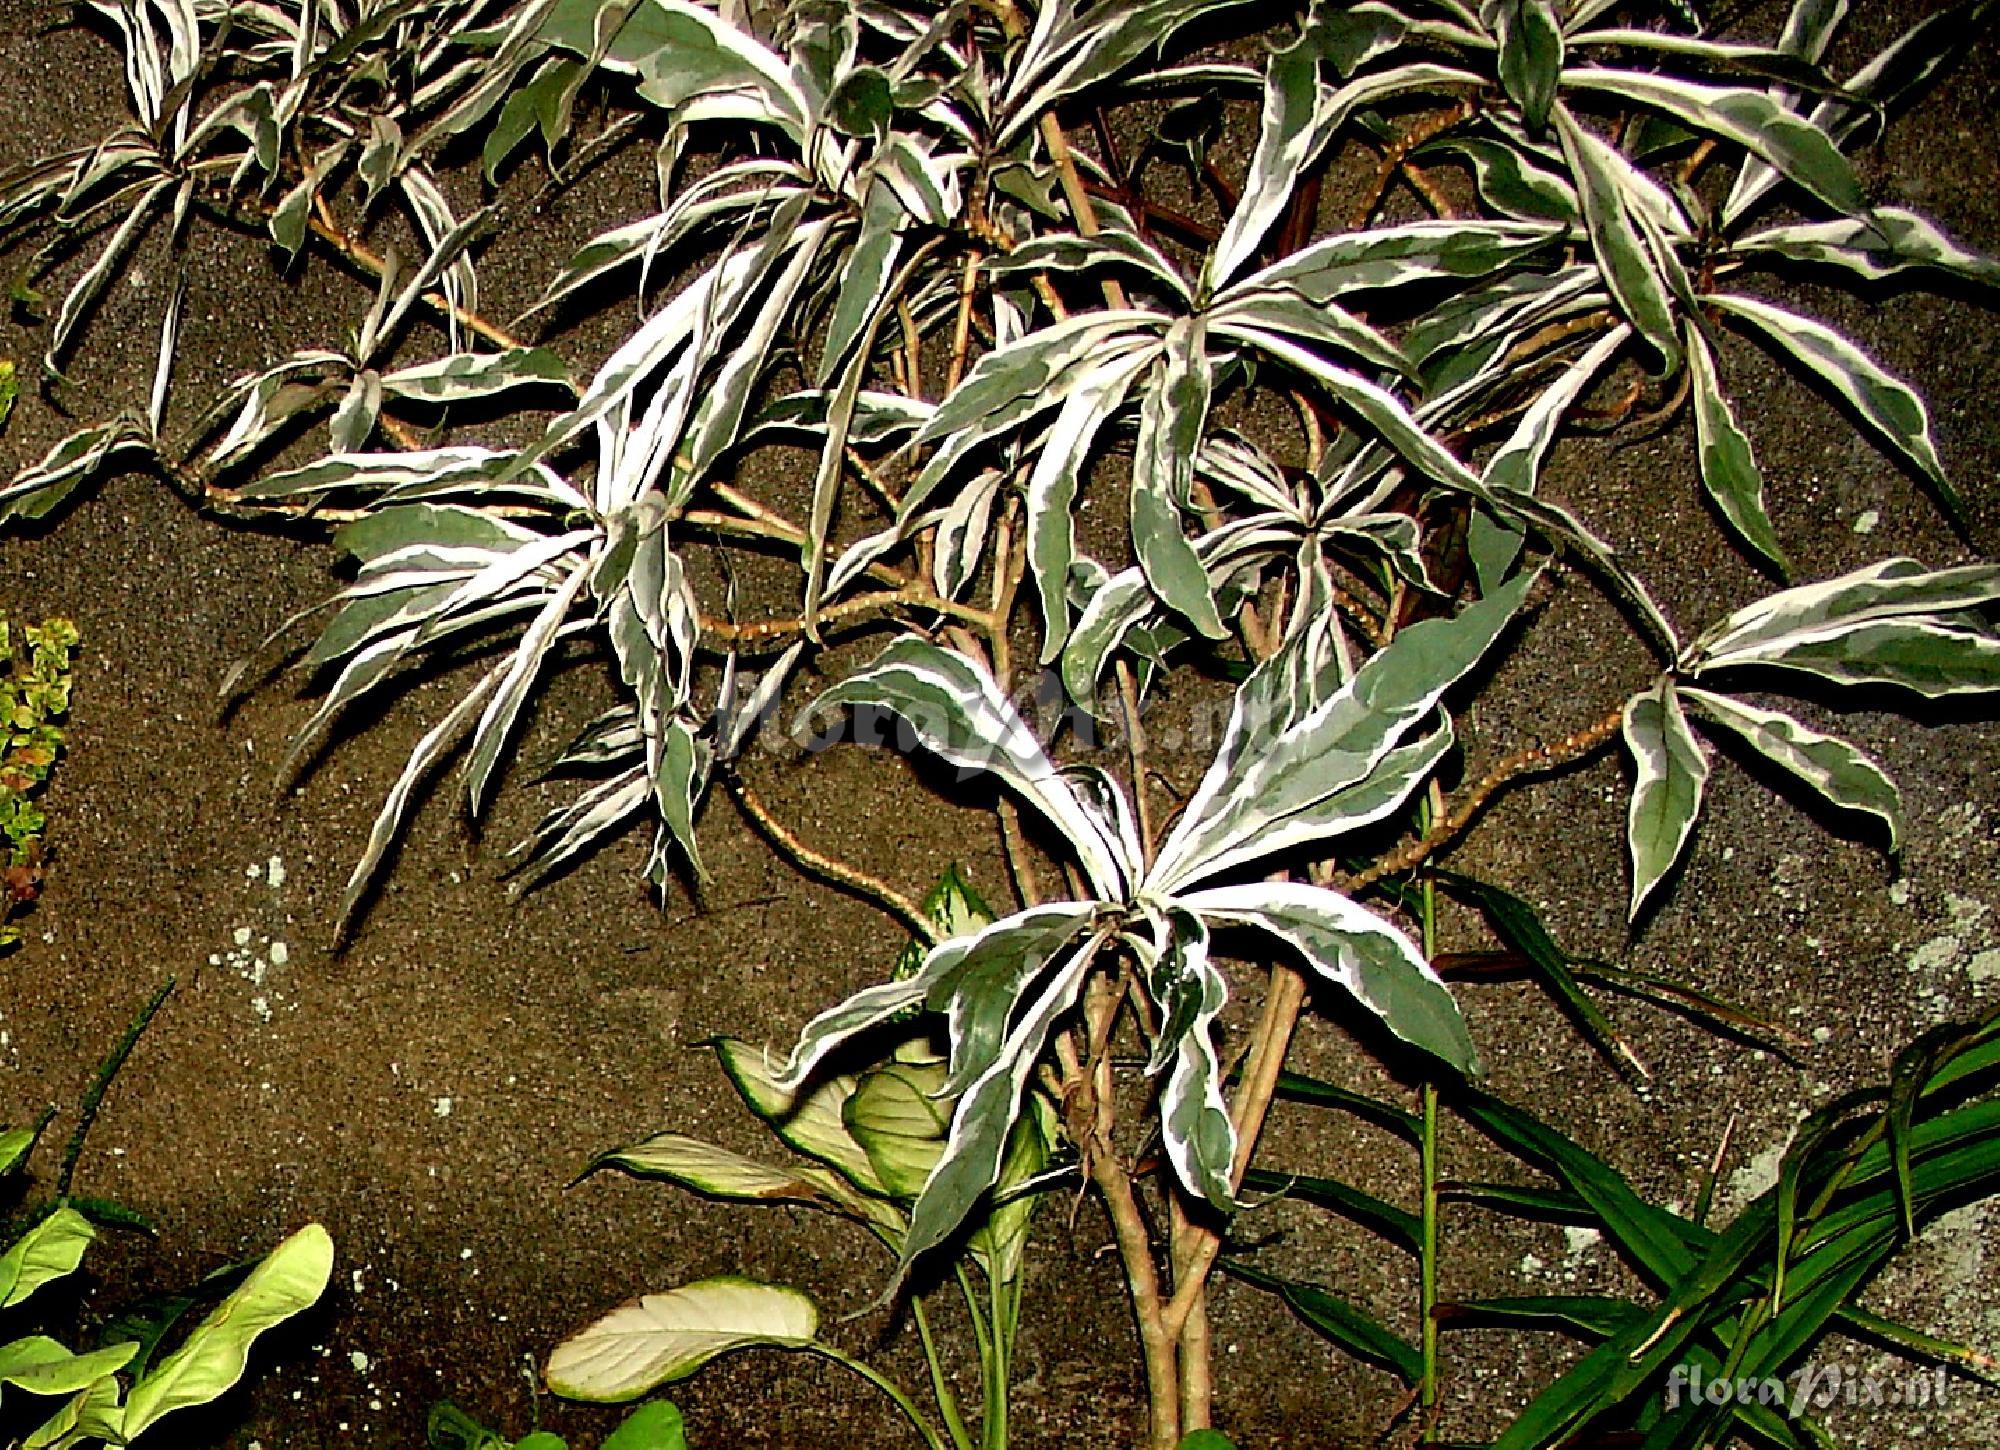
(928, 244)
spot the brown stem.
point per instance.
(1531, 761)
(849, 878)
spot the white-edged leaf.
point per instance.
(1879, 244)
(1531, 56)
(1887, 590)
(1728, 465)
(809, 1123)
(1622, 256)
(1834, 769)
(957, 712)
(461, 377)
(660, 1338)
(1351, 946)
(1799, 150)
(1883, 402)
(1195, 1128)
(1172, 417)
(1666, 796)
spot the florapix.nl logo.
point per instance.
(1812, 1386)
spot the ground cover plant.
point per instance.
(1095, 422)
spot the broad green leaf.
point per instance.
(1622, 258)
(1666, 797)
(1836, 770)
(1336, 1320)
(1356, 949)
(899, 1122)
(982, 1124)
(48, 1251)
(1206, 1440)
(660, 1338)
(709, 1170)
(655, 1425)
(1728, 466)
(810, 1124)
(42, 1366)
(1884, 403)
(15, 1146)
(288, 1281)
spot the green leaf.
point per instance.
(15, 1146)
(42, 1366)
(1883, 402)
(1531, 56)
(1836, 770)
(1206, 1440)
(895, 1116)
(1398, 1225)
(655, 1425)
(811, 1124)
(1622, 258)
(1593, 1316)
(1728, 466)
(660, 1338)
(1336, 1320)
(1351, 946)
(48, 1251)
(289, 1281)
(1666, 797)
(707, 1169)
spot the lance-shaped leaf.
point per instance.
(1337, 1321)
(1602, 178)
(1666, 797)
(1052, 484)
(1880, 244)
(1883, 402)
(1195, 1127)
(660, 1338)
(42, 1366)
(287, 1282)
(1171, 421)
(984, 1119)
(1531, 56)
(957, 712)
(1728, 465)
(1509, 181)
(1388, 257)
(1299, 761)
(464, 376)
(1834, 769)
(712, 1171)
(681, 52)
(1354, 948)
(1799, 150)
(1517, 465)
(1893, 622)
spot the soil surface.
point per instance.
(431, 1089)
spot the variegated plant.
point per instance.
(924, 242)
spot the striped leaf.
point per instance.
(1627, 267)
(1835, 770)
(1729, 469)
(1350, 946)
(1885, 403)
(1666, 797)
